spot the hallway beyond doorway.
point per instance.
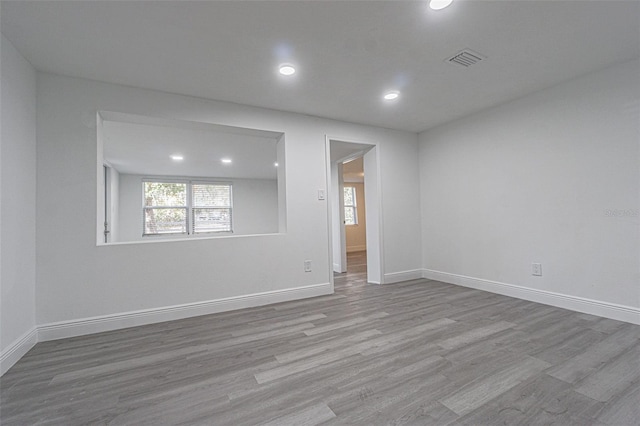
(356, 274)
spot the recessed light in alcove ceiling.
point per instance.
(287, 69)
(390, 96)
(439, 4)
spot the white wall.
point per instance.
(77, 279)
(356, 234)
(255, 207)
(534, 181)
(18, 205)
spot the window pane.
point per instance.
(349, 199)
(165, 221)
(207, 195)
(211, 220)
(158, 194)
(349, 216)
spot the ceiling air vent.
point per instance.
(466, 58)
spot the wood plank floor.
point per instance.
(416, 353)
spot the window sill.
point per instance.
(160, 239)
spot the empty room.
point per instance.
(320, 212)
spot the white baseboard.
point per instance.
(17, 350)
(79, 327)
(351, 249)
(396, 277)
(574, 303)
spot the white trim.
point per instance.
(17, 349)
(378, 199)
(580, 304)
(80, 327)
(351, 249)
(379, 279)
(396, 277)
(333, 267)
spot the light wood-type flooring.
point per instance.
(417, 353)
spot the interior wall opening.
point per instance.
(162, 179)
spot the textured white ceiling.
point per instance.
(347, 52)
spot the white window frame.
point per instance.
(189, 208)
(192, 207)
(353, 206)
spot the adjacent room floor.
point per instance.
(419, 352)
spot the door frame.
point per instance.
(373, 206)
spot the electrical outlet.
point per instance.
(307, 266)
(536, 269)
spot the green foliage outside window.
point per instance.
(168, 208)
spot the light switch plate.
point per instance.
(536, 269)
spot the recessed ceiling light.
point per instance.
(439, 4)
(226, 160)
(177, 157)
(286, 69)
(391, 96)
(275, 164)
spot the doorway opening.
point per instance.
(355, 219)
(354, 212)
(356, 275)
